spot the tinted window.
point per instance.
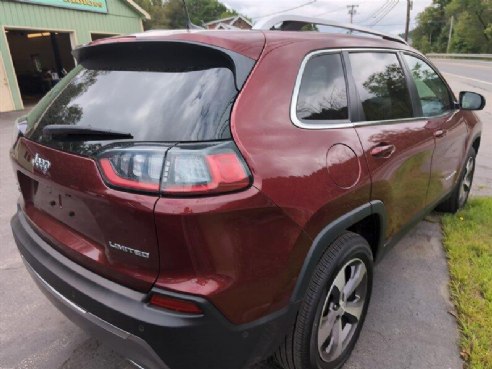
(323, 93)
(152, 106)
(154, 91)
(381, 84)
(433, 93)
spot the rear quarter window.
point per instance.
(322, 96)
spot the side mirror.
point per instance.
(471, 101)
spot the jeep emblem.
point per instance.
(41, 164)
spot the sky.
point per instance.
(393, 22)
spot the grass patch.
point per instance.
(468, 242)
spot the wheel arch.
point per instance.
(362, 220)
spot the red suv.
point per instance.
(209, 199)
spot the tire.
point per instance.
(458, 198)
(347, 260)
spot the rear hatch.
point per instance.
(91, 162)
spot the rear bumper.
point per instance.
(153, 338)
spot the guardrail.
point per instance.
(460, 56)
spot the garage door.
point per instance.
(6, 103)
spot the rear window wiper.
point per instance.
(82, 133)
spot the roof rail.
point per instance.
(296, 22)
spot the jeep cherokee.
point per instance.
(209, 199)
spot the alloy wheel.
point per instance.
(342, 310)
(466, 183)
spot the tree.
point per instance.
(474, 18)
(423, 44)
(203, 11)
(430, 33)
(468, 35)
(170, 14)
(472, 32)
(488, 31)
(175, 14)
(157, 13)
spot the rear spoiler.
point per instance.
(128, 53)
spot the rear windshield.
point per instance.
(180, 103)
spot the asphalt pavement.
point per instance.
(409, 323)
(469, 70)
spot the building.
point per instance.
(236, 22)
(37, 37)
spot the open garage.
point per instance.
(40, 59)
(38, 36)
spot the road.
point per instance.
(468, 70)
(408, 324)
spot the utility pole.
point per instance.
(450, 34)
(407, 24)
(352, 11)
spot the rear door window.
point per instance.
(381, 85)
(433, 94)
(323, 91)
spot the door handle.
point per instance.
(439, 133)
(383, 151)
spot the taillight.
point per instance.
(184, 170)
(137, 168)
(199, 169)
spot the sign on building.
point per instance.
(98, 6)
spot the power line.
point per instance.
(384, 13)
(389, 25)
(287, 10)
(375, 13)
(380, 10)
